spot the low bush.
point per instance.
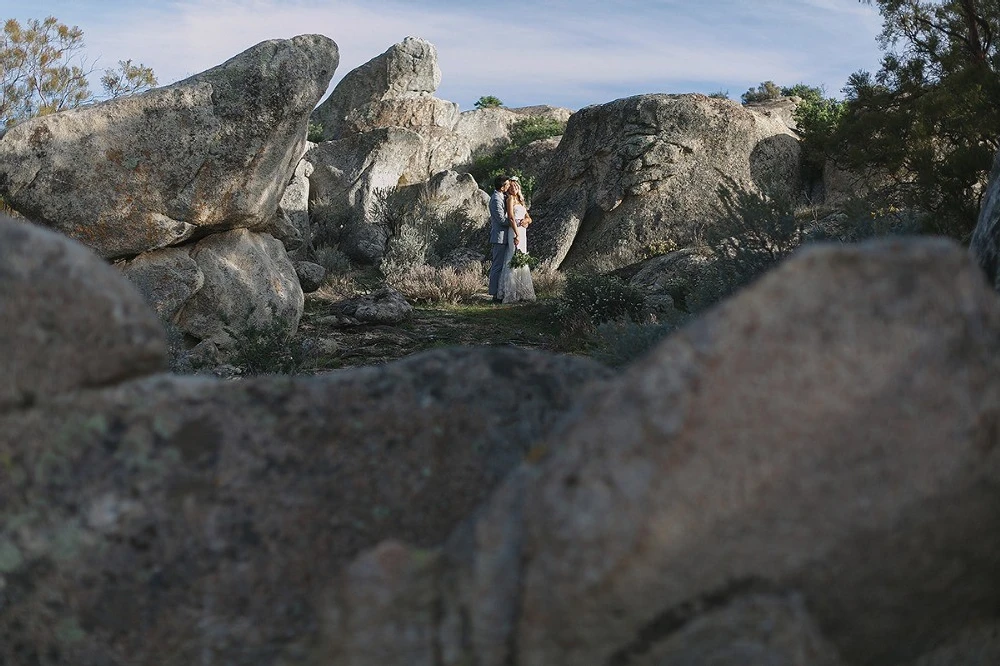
(619, 343)
(333, 260)
(600, 298)
(548, 283)
(427, 284)
(268, 350)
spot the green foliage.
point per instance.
(619, 343)
(488, 102)
(765, 92)
(755, 230)
(818, 120)
(660, 247)
(42, 71)
(927, 122)
(128, 79)
(599, 298)
(523, 259)
(489, 165)
(268, 350)
(534, 128)
(719, 94)
(388, 212)
(315, 133)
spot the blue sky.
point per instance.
(560, 52)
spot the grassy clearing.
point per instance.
(527, 325)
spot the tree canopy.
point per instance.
(927, 122)
(43, 70)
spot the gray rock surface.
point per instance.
(829, 433)
(249, 286)
(406, 71)
(676, 285)
(67, 320)
(209, 153)
(386, 307)
(294, 205)
(485, 130)
(166, 278)
(646, 169)
(346, 174)
(183, 520)
(310, 275)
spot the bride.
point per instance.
(515, 283)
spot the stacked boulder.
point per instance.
(179, 180)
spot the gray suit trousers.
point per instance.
(499, 252)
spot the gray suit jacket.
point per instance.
(499, 225)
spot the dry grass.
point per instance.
(548, 283)
(426, 284)
(337, 288)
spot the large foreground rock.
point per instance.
(646, 169)
(210, 153)
(818, 454)
(53, 340)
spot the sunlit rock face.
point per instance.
(207, 154)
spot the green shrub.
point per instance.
(268, 350)
(600, 298)
(619, 343)
(488, 102)
(534, 128)
(719, 94)
(765, 92)
(315, 133)
(333, 260)
(454, 231)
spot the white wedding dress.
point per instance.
(515, 283)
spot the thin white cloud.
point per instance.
(558, 52)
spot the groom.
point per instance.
(499, 228)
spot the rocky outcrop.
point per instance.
(249, 285)
(53, 339)
(985, 243)
(819, 450)
(210, 153)
(225, 287)
(156, 519)
(294, 206)
(446, 193)
(369, 97)
(396, 89)
(385, 307)
(646, 169)
(342, 188)
(675, 285)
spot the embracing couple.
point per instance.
(509, 222)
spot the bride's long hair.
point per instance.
(516, 191)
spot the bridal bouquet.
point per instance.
(521, 258)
